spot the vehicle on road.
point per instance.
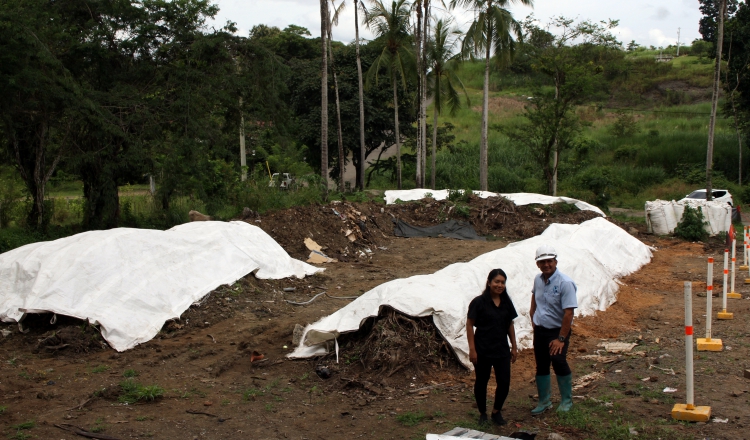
(720, 195)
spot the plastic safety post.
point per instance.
(688, 411)
(732, 294)
(708, 343)
(724, 314)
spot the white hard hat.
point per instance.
(545, 252)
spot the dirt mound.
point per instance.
(72, 338)
(352, 231)
(393, 342)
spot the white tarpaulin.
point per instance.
(131, 281)
(519, 199)
(595, 254)
(662, 216)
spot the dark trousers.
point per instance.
(482, 368)
(542, 338)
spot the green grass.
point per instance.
(3, 409)
(133, 392)
(410, 418)
(130, 373)
(100, 369)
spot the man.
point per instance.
(553, 301)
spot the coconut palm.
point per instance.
(324, 94)
(491, 33)
(391, 26)
(334, 21)
(442, 80)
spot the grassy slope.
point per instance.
(670, 136)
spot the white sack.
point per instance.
(131, 281)
(593, 253)
(520, 199)
(662, 216)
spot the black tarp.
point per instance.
(449, 229)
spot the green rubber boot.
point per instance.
(543, 387)
(565, 384)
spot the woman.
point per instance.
(492, 314)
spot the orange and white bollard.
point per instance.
(745, 239)
(689, 412)
(724, 314)
(732, 294)
(708, 343)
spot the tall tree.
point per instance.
(574, 56)
(391, 26)
(442, 80)
(358, 4)
(334, 21)
(423, 90)
(737, 80)
(715, 100)
(491, 33)
(324, 93)
(707, 25)
(418, 37)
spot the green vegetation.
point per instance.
(133, 392)
(410, 418)
(130, 373)
(691, 226)
(100, 369)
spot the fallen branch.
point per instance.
(83, 433)
(428, 387)
(80, 405)
(192, 411)
(212, 338)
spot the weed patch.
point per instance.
(133, 392)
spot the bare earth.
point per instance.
(203, 363)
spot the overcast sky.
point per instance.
(648, 22)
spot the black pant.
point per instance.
(542, 338)
(482, 368)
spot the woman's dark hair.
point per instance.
(493, 273)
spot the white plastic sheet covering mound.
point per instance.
(595, 254)
(662, 216)
(131, 281)
(519, 199)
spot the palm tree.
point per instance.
(391, 25)
(442, 79)
(334, 21)
(493, 29)
(361, 180)
(324, 95)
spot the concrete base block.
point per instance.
(725, 315)
(743, 267)
(734, 295)
(712, 344)
(696, 414)
(747, 280)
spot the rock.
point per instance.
(553, 436)
(654, 316)
(582, 349)
(633, 231)
(297, 334)
(196, 216)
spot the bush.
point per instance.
(624, 126)
(691, 227)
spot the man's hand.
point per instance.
(513, 355)
(556, 347)
(473, 356)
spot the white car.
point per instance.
(720, 195)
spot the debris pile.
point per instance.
(393, 342)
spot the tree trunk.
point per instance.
(362, 151)
(483, 165)
(243, 156)
(434, 148)
(395, 116)
(714, 102)
(324, 95)
(423, 98)
(342, 158)
(418, 44)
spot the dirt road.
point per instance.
(211, 390)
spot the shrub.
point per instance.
(691, 227)
(133, 392)
(624, 125)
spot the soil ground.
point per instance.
(60, 373)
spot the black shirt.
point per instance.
(492, 323)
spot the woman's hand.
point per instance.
(513, 354)
(473, 356)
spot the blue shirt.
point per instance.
(552, 298)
